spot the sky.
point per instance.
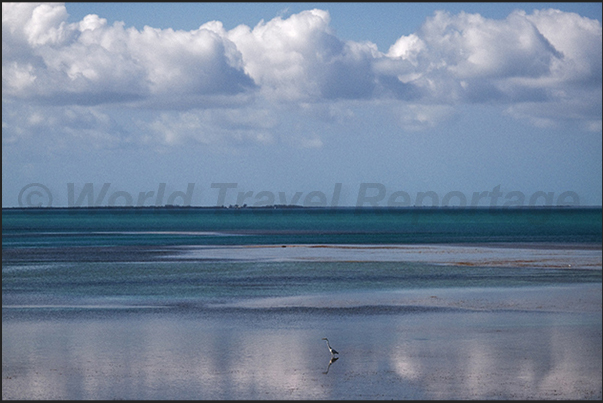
(317, 104)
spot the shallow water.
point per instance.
(207, 304)
(278, 354)
(199, 283)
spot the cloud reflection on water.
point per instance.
(429, 355)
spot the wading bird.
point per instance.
(331, 349)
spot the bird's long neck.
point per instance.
(328, 345)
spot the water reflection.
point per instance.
(424, 356)
(331, 361)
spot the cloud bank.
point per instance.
(544, 67)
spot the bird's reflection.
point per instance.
(333, 359)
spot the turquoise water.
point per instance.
(82, 256)
(214, 226)
(198, 283)
(183, 304)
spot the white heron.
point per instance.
(331, 349)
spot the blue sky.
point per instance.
(430, 103)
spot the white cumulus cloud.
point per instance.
(542, 67)
(300, 58)
(90, 62)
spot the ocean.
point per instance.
(100, 291)
(264, 226)
(147, 252)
